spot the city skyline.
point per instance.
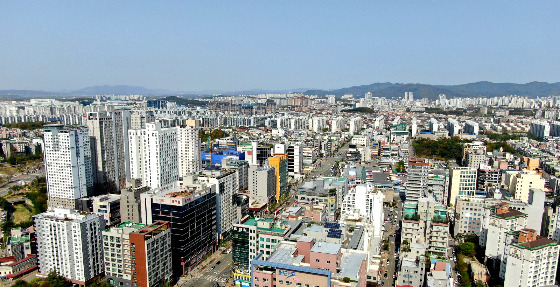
(242, 46)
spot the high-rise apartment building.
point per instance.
(67, 156)
(417, 181)
(188, 147)
(70, 243)
(153, 155)
(109, 140)
(140, 118)
(531, 260)
(116, 250)
(226, 183)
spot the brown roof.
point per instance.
(511, 213)
(440, 266)
(541, 241)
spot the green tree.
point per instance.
(55, 280)
(21, 283)
(400, 167)
(467, 248)
(101, 284)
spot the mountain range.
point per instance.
(478, 89)
(387, 90)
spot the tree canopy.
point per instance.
(444, 148)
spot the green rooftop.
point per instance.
(253, 222)
(132, 225)
(509, 215)
(523, 245)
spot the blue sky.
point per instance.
(239, 45)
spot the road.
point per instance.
(16, 179)
(327, 163)
(392, 232)
(212, 273)
(206, 276)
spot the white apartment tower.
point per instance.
(70, 243)
(153, 155)
(417, 181)
(67, 156)
(188, 148)
(227, 185)
(531, 260)
(365, 201)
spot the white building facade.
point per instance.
(70, 243)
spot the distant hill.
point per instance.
(118, 90)
(484, 89)
(17, 95)
(387, 90)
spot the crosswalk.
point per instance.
(214, 278)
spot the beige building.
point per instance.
(519, 183)
(462, 183)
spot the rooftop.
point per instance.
(510, 214)
(283, 254)
(325, 247)
(541, 242)
(132, 225)
(350, 265)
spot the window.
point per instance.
(317, 260)
(328, 262)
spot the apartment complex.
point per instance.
(70, 243)
(67, 156)
(188, 148)
(109, 141)
(153, 155)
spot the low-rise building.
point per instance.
(251, 237)
(308, 263)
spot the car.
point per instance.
(218, 263)
(213, 267)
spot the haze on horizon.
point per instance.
(242, 45)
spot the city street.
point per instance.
(208, 273)
(325, 166)
(213, 272)
(391, 233)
